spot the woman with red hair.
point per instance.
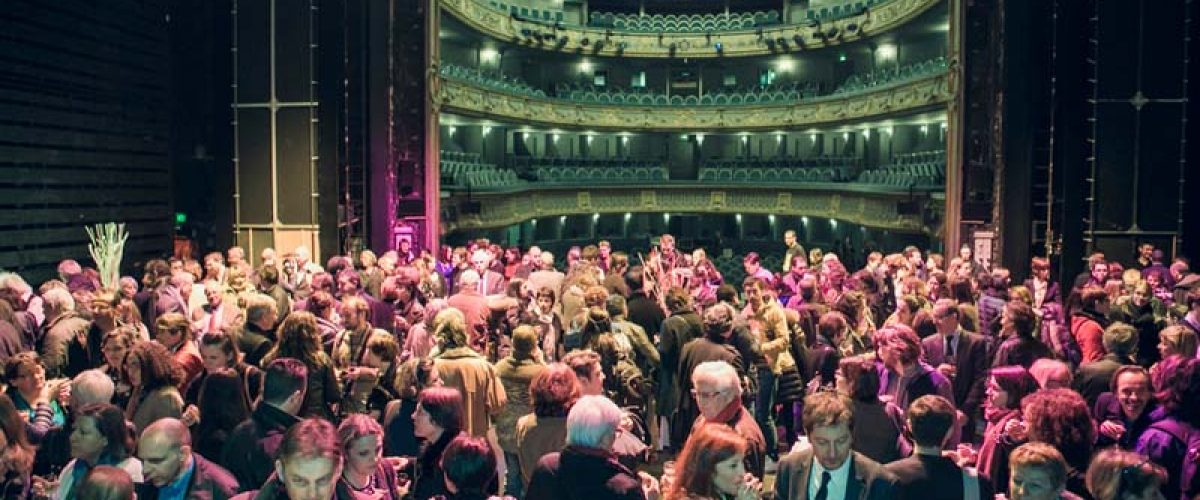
(712, 466)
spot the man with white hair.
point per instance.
(490, 282)
(54, 443)
(472, 304)
(33, 303)
(587, 467)
(62, 325)
(717, 389)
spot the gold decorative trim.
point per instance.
(857, 206)
(502, 26)
(914, 95)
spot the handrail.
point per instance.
(918, 94)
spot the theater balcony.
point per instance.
(572, 29)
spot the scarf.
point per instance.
(730, 411)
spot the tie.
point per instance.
(214, 321)
(949, 348)
(823, 491)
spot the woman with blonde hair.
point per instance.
(712, 467)
(1115, 474)
(299, 338)
(462, 368)
(1177, 339)
(364, 470)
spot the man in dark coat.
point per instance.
(830, 469)
(967, 363)
(173, 471)
(1095, 378)
(927, 475)
(587, 467)
(643, 310)
(682, 327)
(251, 449)
(713, 346)
(258, 336)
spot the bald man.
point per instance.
(173, 471)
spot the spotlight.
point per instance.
(584, 42)
(550, 37)
(832, 33)
(720, 47)
(799, 39)
(851, 28)
(525, 32)
(782, 42)
(562, 41)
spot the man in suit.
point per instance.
(173, 471)
(960, 355)
(830, 469)
(490, 282)
(927, 475)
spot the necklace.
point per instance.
(366, 488)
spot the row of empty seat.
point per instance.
(728, 174)
(817, 161)
(460, 168)
(527, 12)
(617, 162)
(884, 76)
(590, 175)
(641, 97)
(787, 93)
(840, 11)
(490, 79)
(685, 23)
(920, 169)
(935, 155)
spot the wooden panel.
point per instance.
(83, 130)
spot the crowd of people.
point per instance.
(481, 371)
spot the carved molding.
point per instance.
(910, 96)
(858, 206)
(502, 26)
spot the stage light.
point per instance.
(720, 47)
(584, 42)
(799, 39)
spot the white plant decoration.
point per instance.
(107, 248)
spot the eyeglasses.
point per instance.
(708, 395)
